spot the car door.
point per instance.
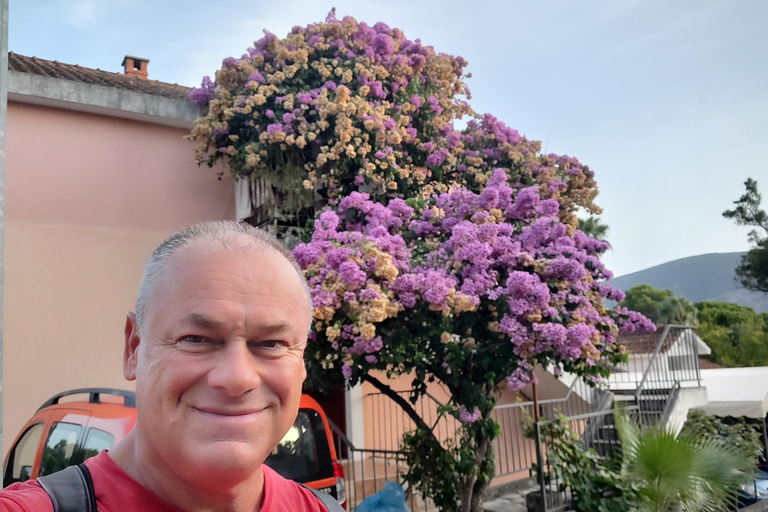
(64, 435)
(23, 458)
(303, 454)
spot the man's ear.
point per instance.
(131, 351)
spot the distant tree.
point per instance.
(724, 314)
(54, 458)
(592, 226)
(678, 310)
(647, 300)
(661, 306)
(752, 272)
(736, 334)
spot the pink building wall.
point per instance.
(87, 198)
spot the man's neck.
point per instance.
(205, 493)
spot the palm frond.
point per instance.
(702, 474)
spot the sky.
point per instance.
(666, 101)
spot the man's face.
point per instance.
(220, 366)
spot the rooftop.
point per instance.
(73, 72)
(646, 343)
(706, 364)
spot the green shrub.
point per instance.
(743, 433)
(596, 485)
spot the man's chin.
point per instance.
(231, 459)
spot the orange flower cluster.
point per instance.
(340, 104)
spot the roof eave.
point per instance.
(98, 99)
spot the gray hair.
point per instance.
(210, 236)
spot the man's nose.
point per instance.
(235, 370)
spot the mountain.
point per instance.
(708, 277)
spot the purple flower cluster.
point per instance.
(521, 377)
(205, 93)
(366, 95)
(355, 255)
(498, 249)
(469, 417)
(632, 321)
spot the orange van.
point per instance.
(66, 432)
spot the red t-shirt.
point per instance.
(118, 492)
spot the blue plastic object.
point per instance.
(390, 499)
(757, 489)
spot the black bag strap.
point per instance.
(326, 499)
(71, 489)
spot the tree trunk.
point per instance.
(480, 486)
(466, 494)
(472, 490)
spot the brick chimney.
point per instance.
(135, 67)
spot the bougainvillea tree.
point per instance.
(452, 256)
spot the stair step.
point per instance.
(610, 442)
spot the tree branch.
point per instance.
(402, 402)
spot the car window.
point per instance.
(23, 455)
(59, 447)
(95, 441)
(303, 454)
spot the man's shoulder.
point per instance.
(280, 494)
(283, 494)
(25, 497)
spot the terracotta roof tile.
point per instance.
(646, 343)
(54, 69)
(706, 364)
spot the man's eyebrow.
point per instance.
(275, 328)
(204, 321)
(200, 320)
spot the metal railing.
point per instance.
(596, 430)
(367, 470)
(514, 452)
(675, 360)
(683, 360)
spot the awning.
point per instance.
(736, 391)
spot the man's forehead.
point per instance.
(268, 271)
(247, 257)
(259, 268)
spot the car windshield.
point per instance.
(303, 454)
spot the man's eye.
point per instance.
(193, 339)
(273, 344)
